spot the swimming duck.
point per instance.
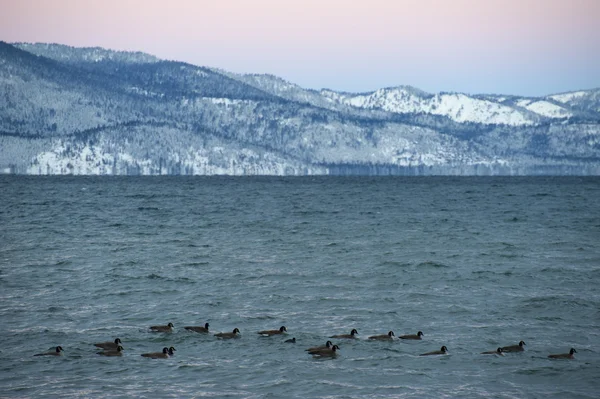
(268, 333)
(352, 335)
(198, 329)
(412, 336)
(112, 352)
(498, 352)
(233, 334)
(442, 351)
(171, 351)
(290, 341)
(514, 348)
(385, 337)
(109, 345)
(327, 345)
(158, 355)
(328, 352)
(569, 355)
(167, 328)
(56, 352)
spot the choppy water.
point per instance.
(475, 263)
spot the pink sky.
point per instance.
(530, 47)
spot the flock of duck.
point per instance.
(114, 348)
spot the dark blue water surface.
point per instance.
(474, 263)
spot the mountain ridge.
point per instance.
(68, 110)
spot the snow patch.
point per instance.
(548, 109)
(458, 107)
(566, 97)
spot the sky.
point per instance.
(521, 47)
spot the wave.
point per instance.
(431, 265)
(553, 300)
(148, 208)
(154, 276)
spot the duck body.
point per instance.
(327, 345)
(167, 328)
(158, 355)
(227, 335)
(198, 329)
(498, 352)
(327, 352)
(569, 355)
(384, 337)
(268, 333)
(443, 351)
(418, 336)
(514, 348)
(352, 335)
(290, 341)
(56, 352)
(112, 352)
(109, 345)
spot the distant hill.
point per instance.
(67, 110)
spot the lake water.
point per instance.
(474, 263)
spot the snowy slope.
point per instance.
(85, 114)
(544, 108)
(458, 107)
(582, 100)
(568, 97)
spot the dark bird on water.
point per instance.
(109, 345)
(514, 348)
(498, 352)
(384, 337)
(443, 350)
(198, 329)
(418, 335)
(327, 345)
(268, 333)
(569, 355)
(112, 352)
(352, 335)
(225, 335)
(165, 354)
(167, 328)
(327, 352)
(57, 352)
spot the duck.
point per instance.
(167, 328)
(198, 329)
(109, 345)
(352, 335)
(328, 352)
(233, 334)
(57, 352)
(158, 355)
(443, 350)
(385, 337)
(171, 351)
(290, 341)
(112, 352)
(412, 336)
(498, 352)
(514, 348)
(327, 345)
(569, 355)
(268, 333)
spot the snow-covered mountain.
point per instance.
(458, 107)
(485, 109)
(66, 110)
